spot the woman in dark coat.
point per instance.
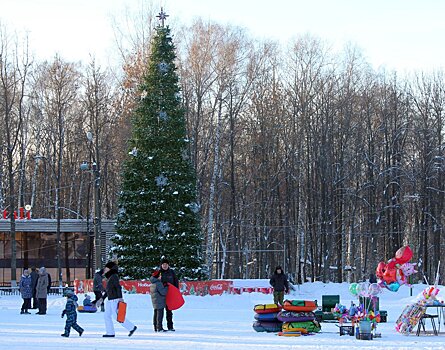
(114, 294)
(98, 289)
(26, 291)
(158, 293)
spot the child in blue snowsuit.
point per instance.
(71, 314)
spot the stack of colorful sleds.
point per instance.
(266, 318)
(299, 318)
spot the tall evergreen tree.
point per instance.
(158, 213)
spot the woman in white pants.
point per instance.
(113, 295)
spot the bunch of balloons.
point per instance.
(364, 289)
(396, 272)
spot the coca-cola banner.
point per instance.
(214, 287)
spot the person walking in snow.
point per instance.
(280, 285)
(34, 278)
(98, 289)
(114, 294)
(168, 276)
(26, 291)
(71, 314)
(158, 293)
(42, 290)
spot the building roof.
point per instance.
(50, 225)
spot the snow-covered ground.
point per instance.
(210, 322)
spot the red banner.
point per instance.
(201, 288)
(214, 287)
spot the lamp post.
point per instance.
(283, 246)
(97, 220)
(93, 168)
(57, 208)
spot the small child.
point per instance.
(87, 301)
(71, 314)
(158, 292)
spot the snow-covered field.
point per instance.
(210, 322)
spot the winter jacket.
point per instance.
(42, 286)
(114, 289)
(25, 287)
(71, 306)
(97, 283)
(49, 283)
(169, 276)
(279, 282)
(34, 278)
(158, 292)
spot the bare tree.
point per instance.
(14, 69)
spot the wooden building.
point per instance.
(37, 246)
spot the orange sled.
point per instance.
(300, 305)
(121, 311)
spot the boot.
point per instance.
(22, 312)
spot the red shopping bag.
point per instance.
(121, 311)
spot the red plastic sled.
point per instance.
(121, 311)
(174, 298)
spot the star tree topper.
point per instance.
(162, 16)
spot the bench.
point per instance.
(328, 302)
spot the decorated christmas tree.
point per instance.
(158, 210)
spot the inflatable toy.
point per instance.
(260, 326)
(300, 305)
(266, 317)
(266, 308)
(291, 316)
(87, 309)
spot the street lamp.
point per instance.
(93, 168)
(283, 246)
(37, 159)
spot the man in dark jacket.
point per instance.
(114, 294)
(168, 276)
(34, 278)
(98, 288)
(280, 285)
(48, 288)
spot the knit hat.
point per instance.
(110, 264)
(164, 261)
(68, 293)
(156, 273)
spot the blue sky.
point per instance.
(404, 35)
